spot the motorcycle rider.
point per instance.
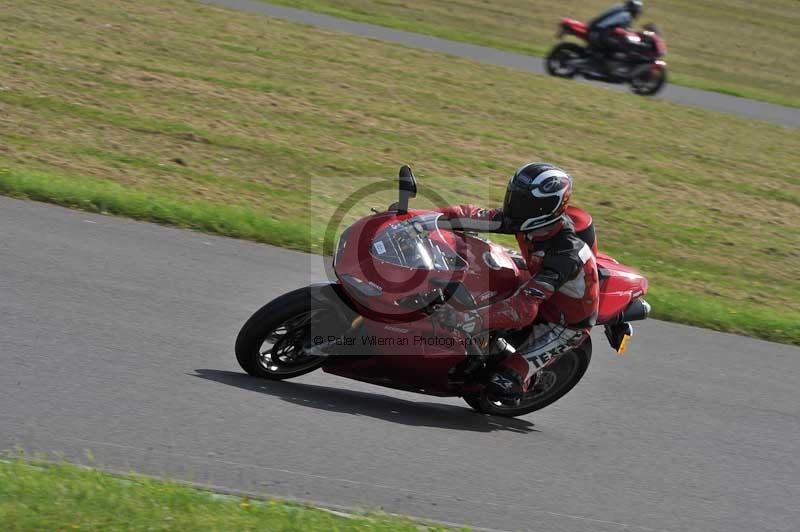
(606, 32)
(563, 291)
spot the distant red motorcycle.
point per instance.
(641, 66)
(394, 269)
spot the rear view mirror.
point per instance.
(407, 186)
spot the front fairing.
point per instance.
(377, 263)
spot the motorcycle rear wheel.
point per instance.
(270, 344)
(554, 382)
(557, 62)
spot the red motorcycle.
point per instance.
(375, 323)
(640, 65)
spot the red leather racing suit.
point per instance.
(563, 289)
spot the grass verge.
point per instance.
(45, 496)
(256, 128)
(734, 47)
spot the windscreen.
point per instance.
(409, 244)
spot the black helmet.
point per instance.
(634, 7)
(537, 196)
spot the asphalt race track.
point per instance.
(117, 339)
(777, 114)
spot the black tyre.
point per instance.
(270, 344)
(649, 82)
(551, 384)
(560, 61)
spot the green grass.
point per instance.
(735, 47)
(255, 128)
(112, 198)
(44, 496)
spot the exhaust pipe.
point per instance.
(619, 330)
(638, 310)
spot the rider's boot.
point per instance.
(511, 378)
(510, 381)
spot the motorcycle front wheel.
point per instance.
(550, 384)
(649, 82)
(271, 343)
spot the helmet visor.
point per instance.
(526, 213)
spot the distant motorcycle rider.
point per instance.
(562, 295)
(606, 32)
